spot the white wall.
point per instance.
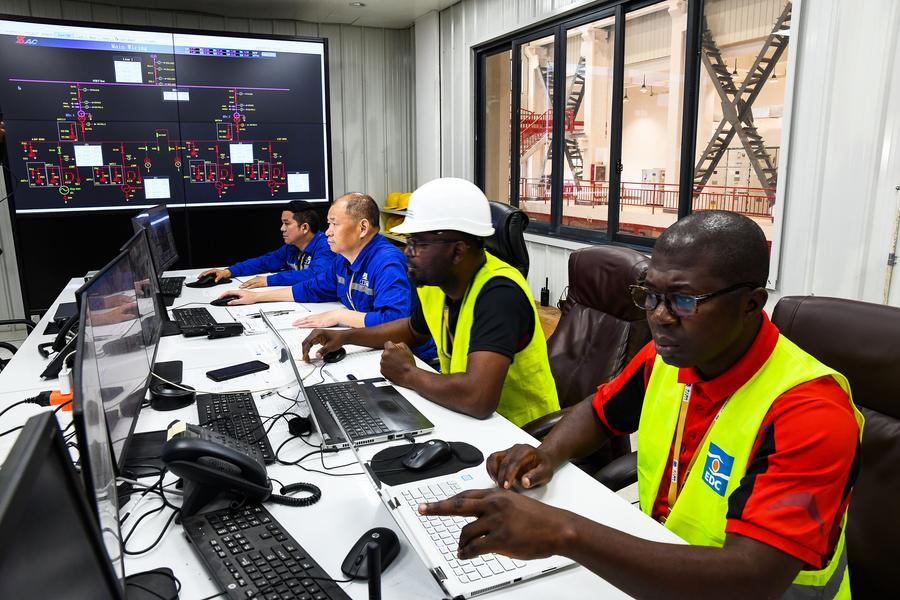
(371, 99)
(844, 154)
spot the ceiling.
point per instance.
(395, 14)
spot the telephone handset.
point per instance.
(210, 463)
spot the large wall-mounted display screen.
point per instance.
(101, 118)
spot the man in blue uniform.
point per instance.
(368, 275)
(304, 255)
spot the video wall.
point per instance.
(107, 119)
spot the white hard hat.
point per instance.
(448, 203)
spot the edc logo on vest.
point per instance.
(717, 471)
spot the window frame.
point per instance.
(691, 86)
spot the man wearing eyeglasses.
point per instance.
(478, 309)
(765, 439)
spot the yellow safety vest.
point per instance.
(529, 391)
(699, 514)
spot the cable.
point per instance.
(15, 404)
(214, 596)
(158, 539)
(199, 391)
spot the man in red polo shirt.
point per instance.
(767, 438)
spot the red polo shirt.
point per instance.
(804, 460)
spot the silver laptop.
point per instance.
(435, 539)
(371, 410)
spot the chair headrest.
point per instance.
(858, 339)
(508, 242)
(599, 278)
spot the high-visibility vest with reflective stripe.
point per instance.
(700, 511)
(529, 390)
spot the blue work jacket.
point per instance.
(289, 264)
(375, 283)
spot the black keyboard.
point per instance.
(193, 318)
(170, 286)
(352, 411)
(252, 556)
(235, 415)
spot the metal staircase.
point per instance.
(574, 98)
(737, 103)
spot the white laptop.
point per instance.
(435, 538)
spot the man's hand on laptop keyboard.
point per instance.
(507, 523)
(521, 466)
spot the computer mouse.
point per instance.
(207, 281)
(430, 454)
(334, 356)
(356, 565)
(224, 300)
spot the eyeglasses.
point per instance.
(413, 245)
(678, 305)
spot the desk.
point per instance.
(348, 506)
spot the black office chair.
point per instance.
(508, 241)
(11, 348)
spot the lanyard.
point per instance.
(350, 291)
(674, 487)
(300, 260)
(448, 335)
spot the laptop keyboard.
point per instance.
(235, 415)
(352, 411)
(251, 556)
(444, 532)
(193, 318)
(170, 286)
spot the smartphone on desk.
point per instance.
(225, 373)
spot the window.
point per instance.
(613, 123)
(497, 120)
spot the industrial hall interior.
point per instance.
(321, 299)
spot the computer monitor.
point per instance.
(162, 242)
(52, 547)
(94, 446)
(111, 324)
(146, 288)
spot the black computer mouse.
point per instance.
(356, 566)
(207, 281)
(224, 300)
(430, 454)
(334, 356)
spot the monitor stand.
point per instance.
(143, 454)
(149, 585)
(169, 327)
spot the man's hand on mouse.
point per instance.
(257, 282)
(331, 318)
(244, 297)
(330, 339)
(219, 273)
(397, 363)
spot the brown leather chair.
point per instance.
(599, 331)
(862, 341)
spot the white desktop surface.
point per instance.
(349, 507)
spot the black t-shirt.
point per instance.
(503, 320)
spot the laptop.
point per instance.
(435, 539)
(371, 410)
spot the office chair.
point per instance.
(600, 330)
(9, 347)
(508, 241)
(860, 340)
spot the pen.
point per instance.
(274, 313)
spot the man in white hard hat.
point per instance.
(478, 309)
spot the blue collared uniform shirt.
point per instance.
(375, 283)
(288, 264)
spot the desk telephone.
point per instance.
(210, 463)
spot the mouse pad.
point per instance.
(388, 464)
